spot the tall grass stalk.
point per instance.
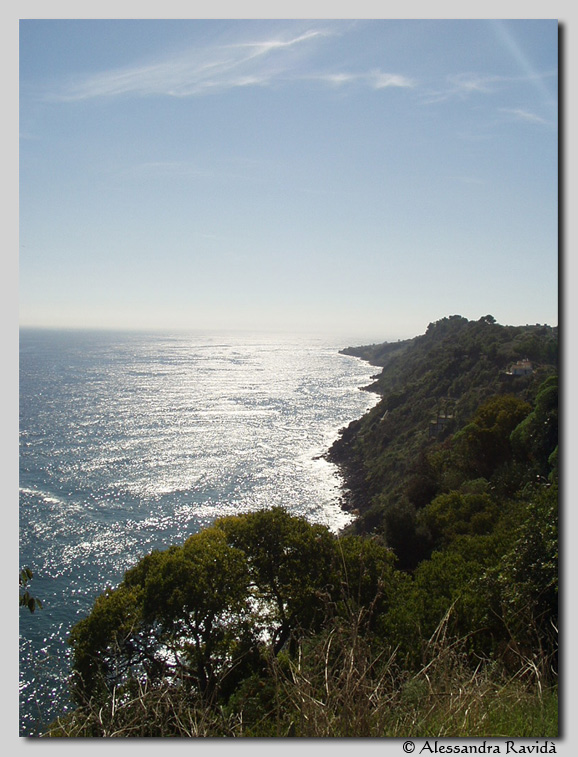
(338, 686)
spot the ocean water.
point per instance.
(131, 442)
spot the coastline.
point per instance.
(429, 386)
(354, 496)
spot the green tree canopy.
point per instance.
(484, 444)
(535, 439)
(179, 613)
(456, 513)
(195, 613)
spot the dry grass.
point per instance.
(352, 693)
(149, 711)
(336, 686)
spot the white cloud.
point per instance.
(336, 79)
(261, 48)
(525, 115)
(381, 80)
(272, 60)
(464, 85)
(197, 71)
(372, 79)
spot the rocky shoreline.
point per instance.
(354, 497)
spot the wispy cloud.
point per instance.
(462, 86)
(381, 80)
(272, 60)
(372, 79)
(526, 115)
(199, 70)
(467, 84)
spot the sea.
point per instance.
(133, 441)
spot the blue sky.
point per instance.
(356, 178)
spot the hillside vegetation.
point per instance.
(434, 614)
(403, 453)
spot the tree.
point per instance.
(529, 575)
(107, 644)
(199, 615)
(179, 614)
(290, 563)
(456, 513)
(484, 444)
(535, 439)
(25, 598)
(405, 535)
(369, 581)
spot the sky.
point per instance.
(347, 177)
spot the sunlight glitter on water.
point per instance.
(133, 442)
